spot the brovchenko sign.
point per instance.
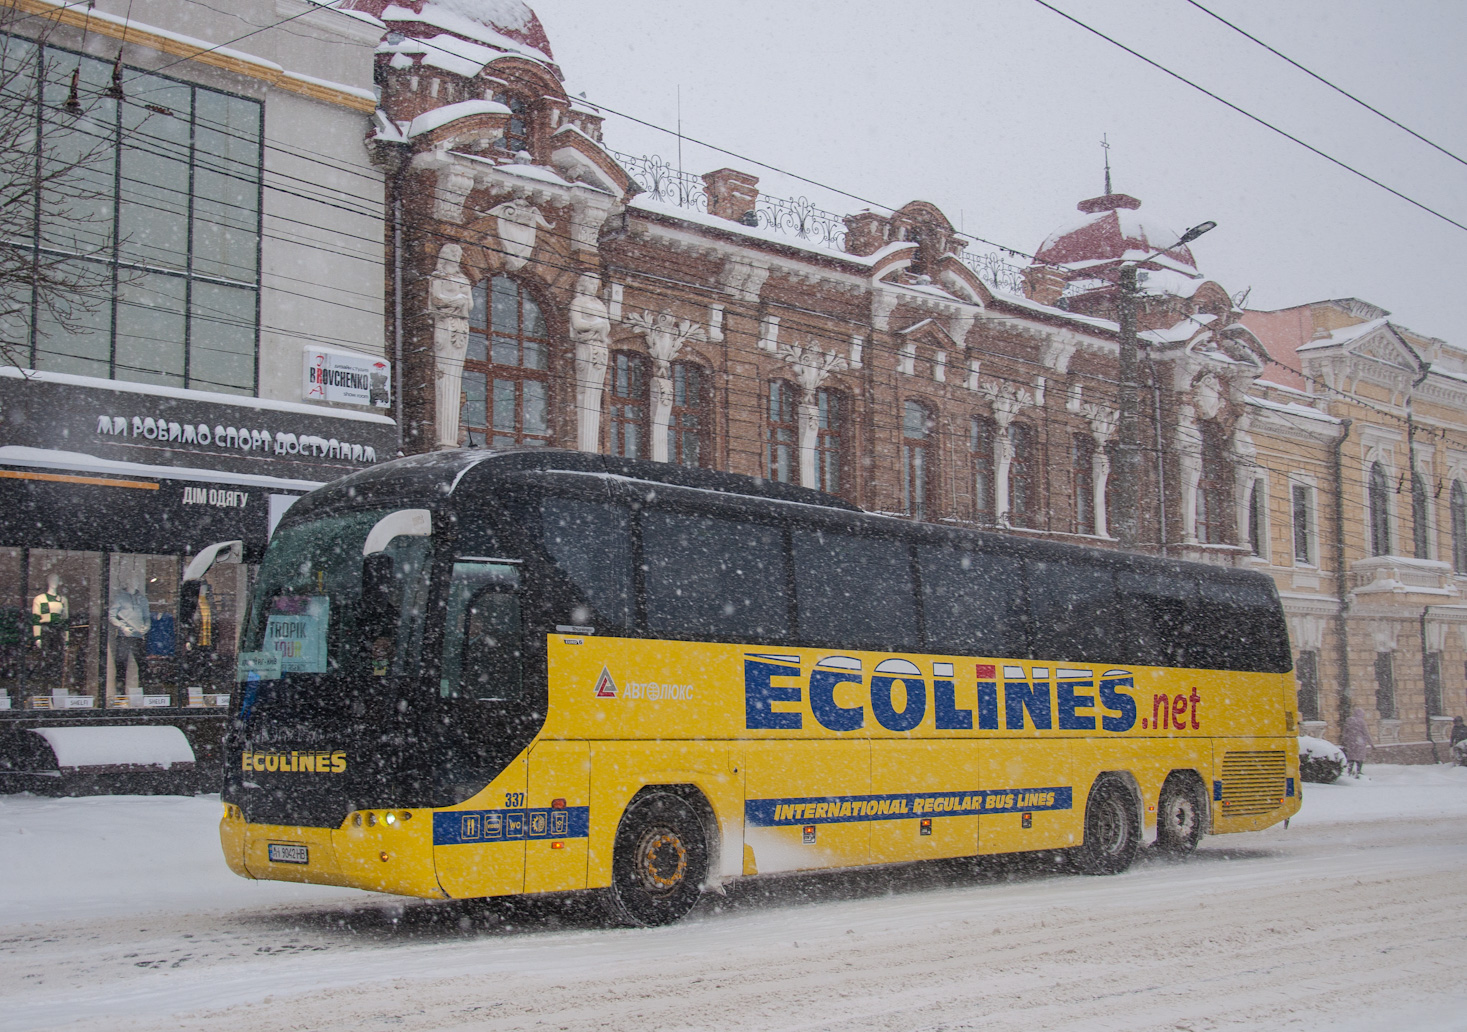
(240, 439)
(347, 378)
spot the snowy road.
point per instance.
(1355, 919)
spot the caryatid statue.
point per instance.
(590, 328)
(449, 300)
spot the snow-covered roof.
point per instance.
(439, 117)
(81, 462)
(1186, 329)
(1345, 335)
(1292, 409)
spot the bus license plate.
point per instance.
(282, 853)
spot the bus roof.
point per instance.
(431, 479)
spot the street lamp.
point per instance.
(1128, 442)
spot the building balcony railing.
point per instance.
(797, 217)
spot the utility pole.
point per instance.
(1127, 516)
(1127, 471)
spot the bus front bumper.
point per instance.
(378, 850)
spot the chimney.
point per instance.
(866, 233)
(1043, 284)
(732, 195)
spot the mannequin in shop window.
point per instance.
(199, 642)
(50, 616)
(129, 615)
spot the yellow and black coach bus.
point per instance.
(477, 674)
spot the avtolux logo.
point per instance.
(295, 762)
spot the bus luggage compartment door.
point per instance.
(799, 804)
(937, 783)
(479, 845)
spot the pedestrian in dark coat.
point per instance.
(1459, 730)
(1356, 742)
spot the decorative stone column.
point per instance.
(1103, 422)
(590, 329)
(449, 301)
(1189, 461)
(810, 367)
(1007, 401)
(665, 338)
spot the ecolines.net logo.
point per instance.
(295, 762)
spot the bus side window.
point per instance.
(974, 603)
(1239, 628)
(1159, 614)
(590, 543)
(854, 591)
(714, 578)
(482, 644)
(1075, 613)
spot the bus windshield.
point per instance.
(321, 607)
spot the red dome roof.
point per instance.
(510, 19)
(1112, 232)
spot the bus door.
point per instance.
(558, 817)
(479, 845)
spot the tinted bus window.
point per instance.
(1075, 614)
(1158, 613)
(853, 591)
(591, 544)
(713, 578)
(317, 606)
(974, 604)
(1238, 628)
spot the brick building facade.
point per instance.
(548, 291)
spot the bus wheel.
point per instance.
(1112, 829)
(659, 863)
(1180, 815)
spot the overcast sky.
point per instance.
(993, 110)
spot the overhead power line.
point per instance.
(1251, 116)
(1322, 79)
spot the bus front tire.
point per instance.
(1181, 813)
(1112, 829)
(659, 862)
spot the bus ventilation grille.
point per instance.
(1253, 782)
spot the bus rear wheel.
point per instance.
(1112, 829)
(1181, 813)
(659, 863)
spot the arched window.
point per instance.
(626, 425)
(1380, 517)
(917, 473)
(688, 424)
(981, 435)
(1459, 527)
(506, 371)
(516, 136)
(1420, 539)
(1023, 477)
(830, 442)
(781, 448)
(1082, 458)
(1212, 489)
